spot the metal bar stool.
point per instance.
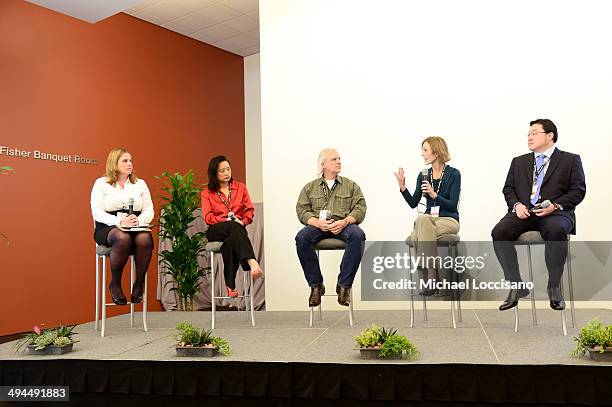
(215, 247)
(331, 244)
(535, 238)
(451, 241)
(101, 253)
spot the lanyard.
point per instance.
(328, 192)
(441, 178)
(229, 198)
(537, 171)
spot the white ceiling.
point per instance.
(90, 10)
(232, 25)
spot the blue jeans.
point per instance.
(305, 242)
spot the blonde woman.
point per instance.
(111, 198)
(441, 187)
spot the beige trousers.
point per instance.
(427, 230)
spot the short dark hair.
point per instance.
(213, 166)
(548, 126)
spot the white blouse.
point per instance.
(109, 198)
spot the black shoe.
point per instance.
(117, 301)
(556, 298)
(316, 291)
(428, 292)
(135, 298)
(344, 295)
(513, 298)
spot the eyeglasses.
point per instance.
(534, 133)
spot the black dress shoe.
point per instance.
(556, 298)
(344, 295)
(138, 289)
(135, 300)
(117, 301)
(513, 298)
(316, 291)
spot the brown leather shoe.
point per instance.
(344, 295)
(316, 291)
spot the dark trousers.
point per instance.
(305, 242)
(236, 248)
(554, 230)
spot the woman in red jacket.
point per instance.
(227, 209)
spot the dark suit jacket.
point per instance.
(563, 183)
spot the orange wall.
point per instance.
(70, 87)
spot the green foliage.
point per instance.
(593, 335)
(177, 217)
(397, 345)
(389, 342)
(188, 335)
(369, 337)
(60, 336)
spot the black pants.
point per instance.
(554, 230)
(236, 248)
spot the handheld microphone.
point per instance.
(130, 206)
(424, 174)
(542, 205)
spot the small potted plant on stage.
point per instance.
(376, 342)
(56, 341)
(596, 339)
(192, 341)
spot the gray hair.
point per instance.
(322, 157)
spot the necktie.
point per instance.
(538, 181)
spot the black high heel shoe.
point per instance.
(134, 299)
(117, 301)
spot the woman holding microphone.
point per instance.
(441, 185)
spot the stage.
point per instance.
(282, 361)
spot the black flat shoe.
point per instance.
(135, 300)
(556, 298)
(513, 298)
(117, 301)
(428, 292)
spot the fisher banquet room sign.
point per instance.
(45, 156)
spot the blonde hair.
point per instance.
(112, 168)
(439, 148)
(322, 157)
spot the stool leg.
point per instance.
(458, 291)
(212, 287)
(97, 292)
(351, 307)
(411, 291)
(516, 318)
(321, 304)
(533, 307)
(570, 283)
(251, 296)
(424, 308)
(144, 307)
(452, 277)
(563, 323)
(131, 285)
(311, 316)
(103, 304)
(244, 293)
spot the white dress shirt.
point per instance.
(548, 153)
(109, 198)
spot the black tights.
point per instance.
(122, 245)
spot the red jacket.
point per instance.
(215, 211)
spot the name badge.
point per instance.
(324, 214)
(435, 211)
(534, 190)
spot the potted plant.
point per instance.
(56, 341)
(596, 339)
(192, 341)
(176, 218)
(376, 342)
(4, 170)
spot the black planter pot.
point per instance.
(50, 350)
(596, 355)
(374, 353)
(191, 351)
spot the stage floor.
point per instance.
(484, 337)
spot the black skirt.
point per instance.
(102, 229)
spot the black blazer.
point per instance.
(563, 183)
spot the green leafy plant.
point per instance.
(594, 335)
(176, 218)
(41, 338)
(190, 336)
(389, 342)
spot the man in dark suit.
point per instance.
(546, 174)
